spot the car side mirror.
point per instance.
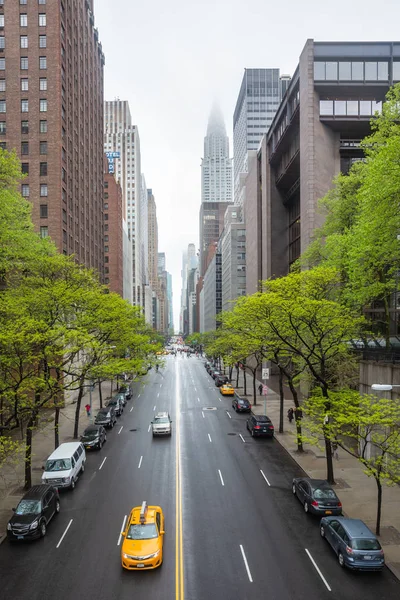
(123, 533)
(162, 532)
(151, 422)
(42, 468)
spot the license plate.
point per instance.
(265, 430)
(367, 557)
(140, 565)
(20, 537)
(328, 512)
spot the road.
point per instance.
(233, 529)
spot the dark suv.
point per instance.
(221, 380)
(241, 404)
(117, 404)
(33, 513)
(106, 417)
(260, 426)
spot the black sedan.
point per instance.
(317, 496)
(241, 404)
(93, 437)
(106, 417)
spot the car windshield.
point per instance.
(158, 420)
(28, 507)
(365, 544)
(142, 532)
(62, 464)
(103, 415)
(90, 435)
(324, 493)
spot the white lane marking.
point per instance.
(209, 437)
(263, 474)
(203, 414)
(122, 528)
(149, 428)
(246, 564)
(242, 438)
(131, 409)
(228, 414)
(220, 399)
(198, 399)
(318, 570)
(160, 384)
(139, 396)
(220, 476)
(158, 393)
(140, 462)
(154, 407)
(120, 430)
(104, 460)
(63, 535)
(195, 389)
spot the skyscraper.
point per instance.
(51, 113)
(122, 147)
(216, 166)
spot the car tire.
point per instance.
(42, 527)
(58, 506)
(100, 445)
(72, 484)
(322, 531)
(83, 468)
(306, 507)
(294, 488)
(341, 560)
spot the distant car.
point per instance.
(227, 390)
(121, 396)
(33, 513)
(260, 426)
(93, 437)
(126, 390)
(161, 424)
(215, 373)
(206, 364)
(355, 545)
(117, 404)
(106, 417)
(221, 380)
(241, 404)
(317, 496)
(143, 535)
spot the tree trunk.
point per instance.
(298, 421)
(28, 452)
(281, 401)
(254, 387)
(237, 376)
(379, 507)
(78, 408)
(230, 373)
(56, 427)
(100, 394)
(244, 383)
(328, 446)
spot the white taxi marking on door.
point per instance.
(140, 462)
(246, 564)
(63, 535)
(122, 528)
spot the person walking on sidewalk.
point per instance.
(260, 388)
(290, 414)
(87, 408)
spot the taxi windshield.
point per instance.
(142, 532)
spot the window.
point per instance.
(43, 127)
(371, 71)
(25, 168)
(2, 85)
(106, 206)
(42, 2)
(24, 127)
(1, 20)
(25, 190)
(43, 147)
(396, 71)
(105, 248)
(42, 41)
(2, 41)
(44, 232)
(43, 105)
(2, 106)
(24, 148)
(23, 41)
(43, 190)
(24, 105)
(2, 127)
(24, 63)
(340, 107)
(24, 85)
(23, 1)
(43, 168)
(42, 19)
(42, 62)
(352, 108)
(345, 71)
(23, 20)
(43, 84)
(2, 64)
(383, 71)
(357, 71)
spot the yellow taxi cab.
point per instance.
(159, 353)
(142, 547)
(227, 390)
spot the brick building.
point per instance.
(113, 233)
(51, 113)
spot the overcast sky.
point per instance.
(172, 59)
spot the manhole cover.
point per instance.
(133, 430)
(231, 433)
(209, 408)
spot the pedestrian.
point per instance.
(335, 452)
(260, 388)
(290, 414)
(87, 408)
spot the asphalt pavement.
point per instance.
(233, 529)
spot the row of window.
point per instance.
(349, 108)
(26, 2)
(23, 20)
(43, 190)
(25, 105)
(23, 40)
(25, 84)
(25, 148)
(43, 168)
(24, 127)
(24, 63)
(355, 71)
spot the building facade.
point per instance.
(113, 234)
(211, 226)
(51, 113)
(211, 294)
(216, 166)
(316, 133)
(233, 257)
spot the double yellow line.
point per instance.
(179, 579)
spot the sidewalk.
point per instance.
(357, 491)
(12, 481)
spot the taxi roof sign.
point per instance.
(143, 512)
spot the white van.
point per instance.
(64, 465)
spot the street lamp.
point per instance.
(383, 387)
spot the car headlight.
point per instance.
(34, 525)
(9, 528)
(66, 479)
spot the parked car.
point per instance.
(241, 404)
(317, 496)
(260, 426)
(94, 436)
(33, 513)
(215, 373)
(122, 398)
(221, 380)
(161, 424)
(106, 417)
(355, 545)
(116, 403)
(64, 465)
(206, 364)
(126, 390)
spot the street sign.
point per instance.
(265, 390)
(265, 374)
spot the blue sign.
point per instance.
(111, 168)
(113, 155)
